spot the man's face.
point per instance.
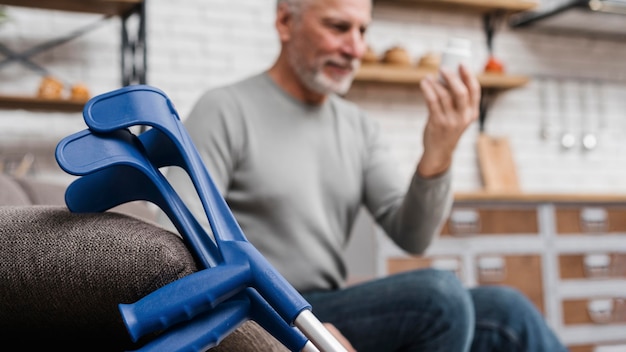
(327, 43)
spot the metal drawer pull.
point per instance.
(600, 310)
(464, 221)
(491, 269)
(597, 265)
(448, 264)
(594, 220)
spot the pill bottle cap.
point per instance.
(459, 44)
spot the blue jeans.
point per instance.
(430, 311)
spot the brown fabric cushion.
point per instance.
(63, 274)
(250, 337)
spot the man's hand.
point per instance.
(452, 108)
(342, 339)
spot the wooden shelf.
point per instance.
(105, 7)
(380, 73)
(477, 5)
(37, 104)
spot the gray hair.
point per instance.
(294, 6)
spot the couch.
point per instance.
(63, 274)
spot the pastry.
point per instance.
(79, 92)
(50, 88)
(397, 56)
(429, 61)
(370, 56)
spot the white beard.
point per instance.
(316, 80)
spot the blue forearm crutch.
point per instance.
(144, 105)
(115, 171)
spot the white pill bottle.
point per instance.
(457, 51)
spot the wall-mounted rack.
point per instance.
(133, 48)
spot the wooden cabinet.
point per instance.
(523, 272)
(598, 310)
(587, 220)
(573, 270)
(593, 265)
(613, 347)
(469, 221)
(401, 264)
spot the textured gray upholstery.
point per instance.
(62, 274)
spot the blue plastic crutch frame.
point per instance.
(114, 171)
(145, 104)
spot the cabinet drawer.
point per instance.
(465, 221)
(619, 347)
(590, 220)
(592, 265)
(401, 264)
(605, 310)
(520, 271)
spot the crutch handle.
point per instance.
(203, 332)
(210, 328)
(183, 299)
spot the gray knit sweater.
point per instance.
(295, 176)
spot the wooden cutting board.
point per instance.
(497, 167)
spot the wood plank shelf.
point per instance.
(38, 104)
(381, 73)
(104, 7)
(476, 5)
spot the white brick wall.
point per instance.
(198, 44)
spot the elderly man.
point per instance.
(296, 162)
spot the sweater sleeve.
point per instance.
(411, 216)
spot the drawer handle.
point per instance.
(594, 220)
(597, 265)
(491, 269)
(600, 310)
(464, 221)
(447, 264)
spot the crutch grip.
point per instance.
(183, 299)
(204, 331)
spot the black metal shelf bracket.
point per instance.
(491, 21)
(133, 48)
(487, 96)
(25, 56)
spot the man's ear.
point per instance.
(284, 22)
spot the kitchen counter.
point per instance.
(517, 197)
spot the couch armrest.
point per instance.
(63, 275)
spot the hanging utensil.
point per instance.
(602, 121)
(588, 139)
(568, 139)
(545, 128)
